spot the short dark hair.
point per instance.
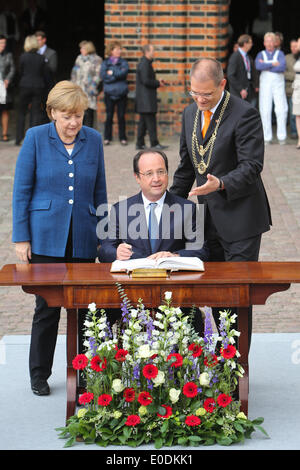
(2, 36)
(137, 157)
(40, 33)
(146, 48)
(243, 39)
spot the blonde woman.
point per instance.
(34, 78)
(86, 73)
(59, 183)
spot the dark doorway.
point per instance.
(72, 22)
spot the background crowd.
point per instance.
(270, 81)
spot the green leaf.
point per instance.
(258, 421)
(238, 427)
(182, 441)
(70, 442)
(158, 443)
(165, 426)
(224, 441)
(262, 430)
(195, 438)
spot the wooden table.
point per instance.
(74, 286)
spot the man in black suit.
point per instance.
(241, 73)
(129, 234)
(222, 147)
(146, 99)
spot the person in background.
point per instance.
(289, 76)
(59, 184)
(271, 64)
(86, 73)
(9, 26)
(7, 71)
(146, 99)
(296, 92)
(34, 79)
(241, 73)
(114, 71)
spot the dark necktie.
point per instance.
(153, 226)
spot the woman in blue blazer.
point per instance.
(59, 184)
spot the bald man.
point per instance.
(222, 148)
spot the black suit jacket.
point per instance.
(33, 71)
(128, 217)
(237, 76)
(241, 210)
(146, 86)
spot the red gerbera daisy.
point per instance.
(228, 352)
(190, 389)
(121, 355)
(129, 395)
(192, 420)
(104, 399)
(169, 412)
(224, 400)
(80, 361)
(132, 420)
(209, 405)
(179, 359)
(211, 361)
(98, 364)
(85, 398)
(196, 349)
(145, 398)
(150, 371)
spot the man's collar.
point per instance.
(159, 201)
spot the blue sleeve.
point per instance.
(282, 63)
(261, 65)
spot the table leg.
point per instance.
(243, 350)
(71, 353)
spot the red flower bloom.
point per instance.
(129, 394)
(85, 398)
(190, 389)
(145, 398)
(209, 405)
(150, 371)
(224, 400)
(121, 355)
(211, 361)
(192, 420)
(196, 349)
(132, 420)
(228, 352)
(169, 412)
(80, 361)
(179, 359)
(98, 364)
(153, 356)
(104, 399)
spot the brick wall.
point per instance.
(181, 31)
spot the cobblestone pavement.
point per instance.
(281, 177)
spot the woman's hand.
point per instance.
(23, 251)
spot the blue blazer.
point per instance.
(51, 187)
(126, 221)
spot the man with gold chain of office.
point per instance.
(222, 148)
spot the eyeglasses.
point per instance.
(150, 174)
(194, 94)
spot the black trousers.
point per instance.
(110, 106)
(146, 123)
(220, 250)
(27, 96)
(45, 322)
(88, 119)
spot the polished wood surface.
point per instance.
(73, 286)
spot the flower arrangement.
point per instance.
(152, 378)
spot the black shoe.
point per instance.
(140, 147)
(160, 147)
(40, 387)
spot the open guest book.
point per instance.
(173, 263)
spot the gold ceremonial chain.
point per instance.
(202, 166)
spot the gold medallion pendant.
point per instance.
(202, 167)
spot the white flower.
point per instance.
(145, 352)
(159, 379)
(172, 319)
(88, 324)
(174, 395)
(89, 333)
(204, 379)
(117, 385)
(92, 307)
(159, 315)
(233, 317)
(235, 333)
(133, 313)
(168, 295)
(159, 324)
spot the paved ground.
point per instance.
(282, 181)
